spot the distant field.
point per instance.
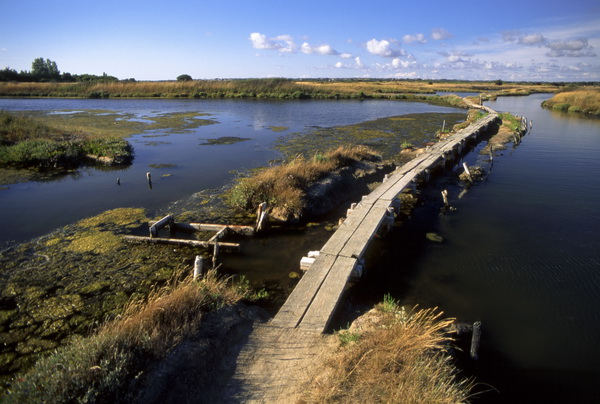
(268, 88)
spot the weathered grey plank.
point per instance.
(299, 300)
(321, 310)
(341, 236)
(357, 243)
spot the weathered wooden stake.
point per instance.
(475, 339)
(118, 181)
(261, 216)
(215, 255)
(198, 266)
(445, 197)
(443, 126)
(491, 152)
(466, 167)
(149, 177)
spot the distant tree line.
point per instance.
(46, 70)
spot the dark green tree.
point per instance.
(184, 77)
(44, 69)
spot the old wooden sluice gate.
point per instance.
(313, 302)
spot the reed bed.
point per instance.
(585, 101)
(404, 359)
(109, 366)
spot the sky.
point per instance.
(511, 40)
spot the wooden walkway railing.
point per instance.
(313, 302)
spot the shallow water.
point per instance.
(521, 254)
(35, 208)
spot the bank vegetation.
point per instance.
(391, 355)
(29, 143)
(110, 366)
(586, 100)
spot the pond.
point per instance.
(180, 163)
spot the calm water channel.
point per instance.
(521, 253)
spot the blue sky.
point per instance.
(535, 40)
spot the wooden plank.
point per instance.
(357, 243)
(323, 307)
(230, 247)
(158, 225)
(292, 311)
(341, 236)
(191, 227)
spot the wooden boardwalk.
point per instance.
(313, 302)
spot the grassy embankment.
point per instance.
(109, 366)
(283, 187)
(399, 357)
(29, 143)
(586, 101)
(268, 88)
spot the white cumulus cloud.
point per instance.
(531, 39)
(320, 50)
(281, 43)
(383, 48)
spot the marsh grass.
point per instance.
(283, 187)
(404, 359)
(266, 88)
(585, 100)
(109, 366)
(27, 142)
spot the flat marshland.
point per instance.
(268, 88)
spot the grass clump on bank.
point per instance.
(28, 143)
(109, 366)
(403, 358)
(283, 187)
(585, 101)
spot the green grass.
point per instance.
(28, 143)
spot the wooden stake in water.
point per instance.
(466, 167)
(443, 126)
(445, 197)
(149, 177)
(261, 216)
(475, 339)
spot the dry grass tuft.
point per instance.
(403, 360)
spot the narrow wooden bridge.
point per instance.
(313, 302)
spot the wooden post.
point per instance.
(198, 266)
(443, 126)
(491, 152)
(118, 181)
(466, 167)
(475, 340)
(261, 216)
(445, 197)
(149, 177)
(215, 255)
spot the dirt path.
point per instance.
(275, 363)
